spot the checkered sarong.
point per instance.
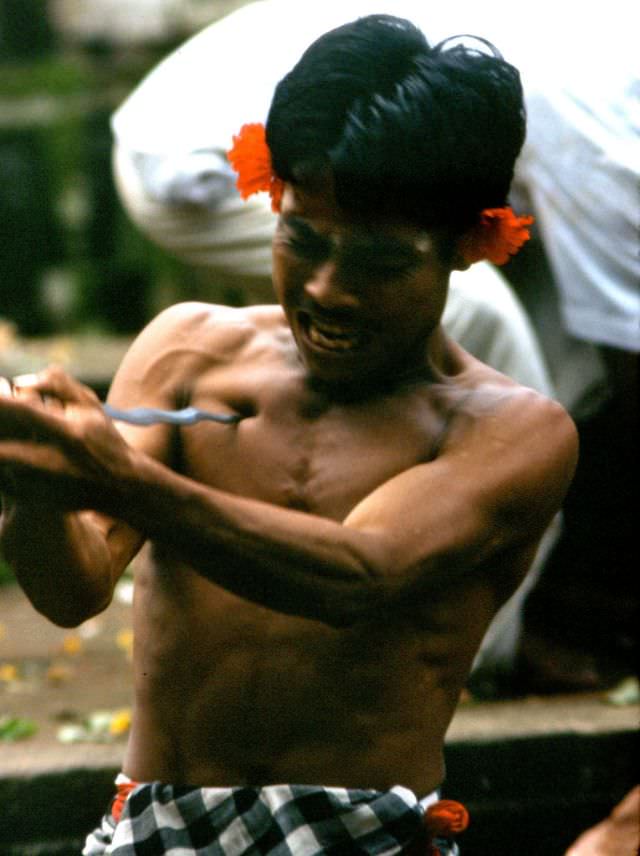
(276, 820)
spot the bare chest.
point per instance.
(298, 451)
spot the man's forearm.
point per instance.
(288, 560)
(62, 564)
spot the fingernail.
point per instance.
(25, 380)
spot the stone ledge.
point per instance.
(91, 358)
(544, 717)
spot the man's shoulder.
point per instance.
(496, 395)
(483, 401)
(197, 316)
(217, 328)
(520, 428)
(517, 448)
(482, 385)
(188, 339)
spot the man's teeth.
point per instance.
(333, 336)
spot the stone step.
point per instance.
(533, 773)
(92, 358)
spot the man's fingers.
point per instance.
(26, 392)
(51, 389)
(21, 420)
(55, 383)
(25, 380)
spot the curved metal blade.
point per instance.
(155, 416)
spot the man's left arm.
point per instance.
(498, 484)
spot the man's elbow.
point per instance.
(69, 612)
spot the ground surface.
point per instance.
(52, 678)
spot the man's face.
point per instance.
(362, 297)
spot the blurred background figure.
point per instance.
(579, 173)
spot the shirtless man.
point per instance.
(318, 575)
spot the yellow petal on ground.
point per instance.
(120, 722)
(8, 673)
(72, 644)
(124, 641)
(58, 674)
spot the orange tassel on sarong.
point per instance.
(445, 819)
(123, 789)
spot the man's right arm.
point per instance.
(67, 563)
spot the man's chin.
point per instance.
(343, 387)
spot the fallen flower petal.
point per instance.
(72, 734)
(124, 641)
(58, 674)
(120, 722)
(8, 673)
(626, 692)
(72, 644)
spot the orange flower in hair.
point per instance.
(251, 159)
(497, 236)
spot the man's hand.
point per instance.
(56, 445)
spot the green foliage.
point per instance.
(54, 77)
(72, 261)
(14, 728)
(6, 574)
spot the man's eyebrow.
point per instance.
(383, 245)
(369, 241)
(301, 227)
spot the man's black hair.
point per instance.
(430, 135)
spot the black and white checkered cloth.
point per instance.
(276, 820)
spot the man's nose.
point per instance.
(328, 287)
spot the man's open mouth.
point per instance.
(331, 335)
